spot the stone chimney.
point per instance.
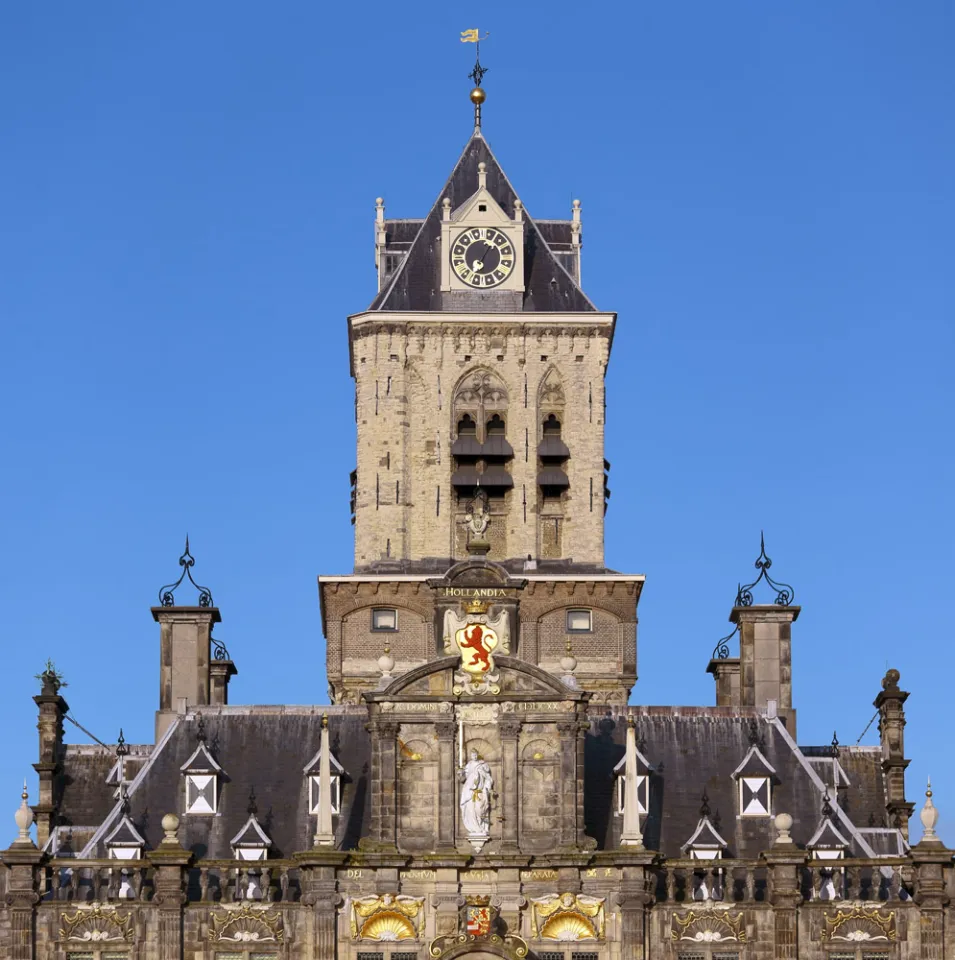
(189, 675)
(765, 653)
(889, 703)
(52, 709)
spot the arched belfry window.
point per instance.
(553, 452)
(480, 448)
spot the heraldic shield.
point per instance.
(476, 642)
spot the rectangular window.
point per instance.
(549, 955)
(384, 618)
(584, 956)
(371, 956)
(579, 621)
(201, 792)
(754, 796)
(315, 792)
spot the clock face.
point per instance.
(482, 256)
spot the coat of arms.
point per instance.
(475, 637)
(478, 921)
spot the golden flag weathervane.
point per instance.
(474, 36)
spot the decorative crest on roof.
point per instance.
(784, 592)
(122, 748)
(187, 562)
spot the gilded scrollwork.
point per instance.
(96, 924)
(386, 918)
(860, 925)
(708, 927)
(568, 917)
(246, 923)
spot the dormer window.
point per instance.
(315, 786)
(643, 785)
(251, 842)
(384, 619)
(202, 774)
(580, 621)
(754, 777)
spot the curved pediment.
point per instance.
(478, 573)
(435, 681)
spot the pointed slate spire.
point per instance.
(324, 837)
(632, 836)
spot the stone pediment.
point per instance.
(435, 681)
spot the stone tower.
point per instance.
(479, 397)
(479, 366)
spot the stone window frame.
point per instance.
(867, 951)
(577, 610)
(244, 953)
(103, 953)
(377, 629)
(708, 953)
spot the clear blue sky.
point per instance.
(186, 220)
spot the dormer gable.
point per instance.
(202, 773)
(125, 842)
(755, 777)
(251, 842)
(827, 843)
(312, 772)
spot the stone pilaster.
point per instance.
(931, 860)
(890, 704)
(445, 730)
(635, 901)
(21, 899)
(510, 732)
(320, 892)
(384, 774)
(784, 861)
(52, 709)
(569, 733)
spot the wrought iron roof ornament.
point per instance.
(744, 597)
(784, 592)
(187, 561)
(704, 805)
(122, 748)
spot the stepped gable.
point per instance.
(548, 287)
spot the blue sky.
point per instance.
(187, 209)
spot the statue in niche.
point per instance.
(478, 516)
(476, 796)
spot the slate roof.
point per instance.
(259, 748)
(686, 749)
(695, 748)
(416, 285)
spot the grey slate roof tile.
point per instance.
(416, 284)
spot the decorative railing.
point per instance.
(268, 881)
(750, 881)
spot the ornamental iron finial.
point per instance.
(834, 746)
(51, 679)
(253, 808)
(784, 592)
(122, 748)
(201, 729)
(704, 806)
(826, 806)
(187, 562)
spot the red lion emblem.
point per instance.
(472, 641)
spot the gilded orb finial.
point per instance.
(478, 96)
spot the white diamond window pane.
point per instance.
(754, 796)
(384, 619)
(315, 793)
(200, 793)
(579, 621)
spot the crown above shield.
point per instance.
(476, 606)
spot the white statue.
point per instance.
(477, 517)
(476, 796)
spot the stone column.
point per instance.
(52, 709)
(889, 703)
(446, 730)
(784, 861)
(384, 786)
(509, 730)
(170, 860)
(569, 732)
